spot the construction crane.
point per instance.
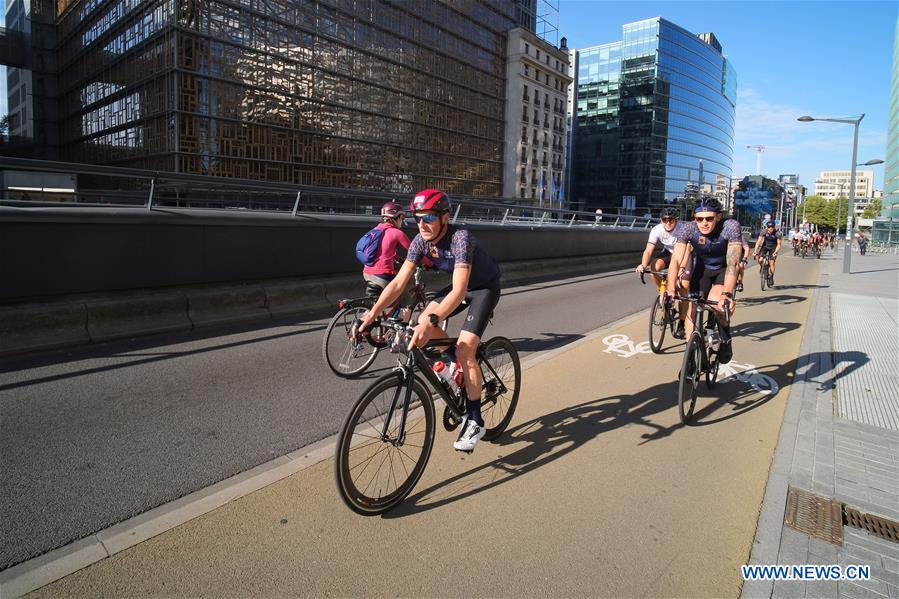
(758, 157)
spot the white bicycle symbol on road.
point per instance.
(624, 347)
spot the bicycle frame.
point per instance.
(418, 359)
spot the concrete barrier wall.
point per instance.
(54, 252)
(92, 278)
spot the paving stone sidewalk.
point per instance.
(840, 436)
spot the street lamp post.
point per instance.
(847, 253)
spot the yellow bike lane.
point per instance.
(595, 489)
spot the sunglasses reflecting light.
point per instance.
(707, 219)
(427, 218)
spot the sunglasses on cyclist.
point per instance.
(427, 218)
(707, 219)
(669, 219)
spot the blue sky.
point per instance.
(824, 59)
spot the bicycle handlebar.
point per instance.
(705, 302)
(663, 273)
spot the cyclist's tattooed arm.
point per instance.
(734, 251)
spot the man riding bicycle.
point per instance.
(717, 248)
(769, 242)
(657, 255)
(475, 277)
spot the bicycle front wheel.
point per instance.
(344, 355)
(501, 370)
(658, 322)
(690, 371)
(763, 272)
(376, 471)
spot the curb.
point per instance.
(81, 320)
(56, 564)
(766, 544)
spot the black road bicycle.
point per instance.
(700, 357)
(348, 355)
(662, 314)
(765, 271)
(385, 443)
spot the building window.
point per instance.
(538, 54)
(527, 50)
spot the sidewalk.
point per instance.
(840, 438)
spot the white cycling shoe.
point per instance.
(471, 433)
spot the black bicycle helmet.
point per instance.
(670, 211)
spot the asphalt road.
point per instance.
(93, 436)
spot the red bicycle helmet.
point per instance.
(430, 199)
(392, 210)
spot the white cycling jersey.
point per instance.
(658, 234)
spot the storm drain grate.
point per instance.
(875, 525)
(814, 515)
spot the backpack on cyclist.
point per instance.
(367, 246)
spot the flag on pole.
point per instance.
(561, 190)
(542, 185)
(552, 193)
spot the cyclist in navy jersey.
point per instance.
(717, 248)
(768, 244)
(475, 276)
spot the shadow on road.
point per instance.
(757, 300)
(134, 352)
(755, 329)
(548, 341)
(553, 436)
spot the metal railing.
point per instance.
(117, 187)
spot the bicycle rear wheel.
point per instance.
(347, 357)
(658, 322)
(690, 371)
(502, 385)
(374, 474)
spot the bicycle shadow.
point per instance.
(546, 438)
(555, 435)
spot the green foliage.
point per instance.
(873, 209)
(823, 212)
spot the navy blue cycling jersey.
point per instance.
(771, 239)
(458, 246)
(711, 249)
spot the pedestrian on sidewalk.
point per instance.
(862, 243)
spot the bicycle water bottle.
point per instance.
(449, 372)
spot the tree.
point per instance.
(4, 128)
(822, 212)
(873, 209)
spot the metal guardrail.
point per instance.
(117, 187)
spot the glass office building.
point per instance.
(654, 119)
(340, 93)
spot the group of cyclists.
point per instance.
(813, 242)
(704, 257)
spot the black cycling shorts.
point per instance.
(660, 252)
(481, 303)
(702, 279)
(766, 251)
